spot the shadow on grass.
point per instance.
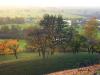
(54, 63)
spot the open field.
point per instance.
(32, 64)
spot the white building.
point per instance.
(69, 22)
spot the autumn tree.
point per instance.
(14, 48)
(90, 31)
(13, 45)
(38, 39)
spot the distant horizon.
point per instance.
(36, 7)
(50, 3)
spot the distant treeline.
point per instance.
(8, 20)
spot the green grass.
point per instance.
(32, 64)
(98, 35)
(98, 72)
(22, 55)
(22, 43)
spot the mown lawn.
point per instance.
(32, 64)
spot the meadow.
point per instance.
(32, 64)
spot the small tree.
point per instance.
(38, 39)
(14, 47)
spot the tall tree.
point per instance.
(90, 31)
(90, 28)
(49, 23)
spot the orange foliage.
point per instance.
(11, 42)
(4, 46)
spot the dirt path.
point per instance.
(81, 71)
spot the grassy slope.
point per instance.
(32, 64)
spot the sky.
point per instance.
(50, 3)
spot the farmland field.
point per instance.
(36, 12)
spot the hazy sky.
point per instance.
(50, 3)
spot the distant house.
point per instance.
(69, 22)
(98, 20)
(74, 22)
(29, 20)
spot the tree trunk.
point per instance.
(39, 52)
(15, 53)
(52, 51)
(43, 53)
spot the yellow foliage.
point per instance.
(8, 51)
(4, 46)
